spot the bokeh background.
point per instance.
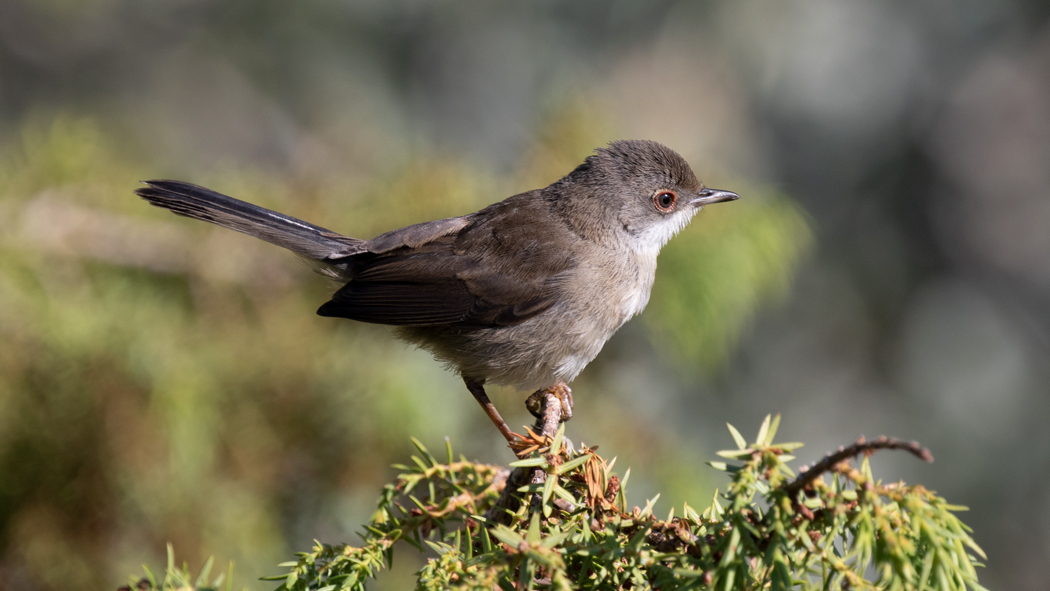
(888, 271)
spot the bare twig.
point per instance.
(670, 537)
(808, 474)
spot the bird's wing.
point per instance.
(475, 277)
(416, 235)
(425, 289)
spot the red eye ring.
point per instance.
(665, 200)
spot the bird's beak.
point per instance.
(709, 196)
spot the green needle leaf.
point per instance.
(762, 431)
(741, 443)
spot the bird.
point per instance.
(524, 292)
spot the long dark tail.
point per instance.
(302, 238)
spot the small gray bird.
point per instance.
(524, 292)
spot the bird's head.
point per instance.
(638, 192)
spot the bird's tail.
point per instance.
(302, 238)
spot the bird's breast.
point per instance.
(602, 298)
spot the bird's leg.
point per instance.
(561, 391)
(551, 407)
(478, 390)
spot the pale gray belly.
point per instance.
(552, 347)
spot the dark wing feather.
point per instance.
(404, 288)
(425, 289)
(399, 304)
(494, 268)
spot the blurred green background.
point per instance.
(161, 380)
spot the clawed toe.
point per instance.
(564, 394)
(561, 392)
(534, 403)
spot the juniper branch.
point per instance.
(808, 474)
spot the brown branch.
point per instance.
(808, 474)
(671, 537)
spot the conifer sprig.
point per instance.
(833, 527)
(836, 527)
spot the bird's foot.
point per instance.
(564, 394)
(553, 399)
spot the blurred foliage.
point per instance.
(181, 578)
(748, 256)
(769, 530)
(165, 380)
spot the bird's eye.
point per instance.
(665, 200)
